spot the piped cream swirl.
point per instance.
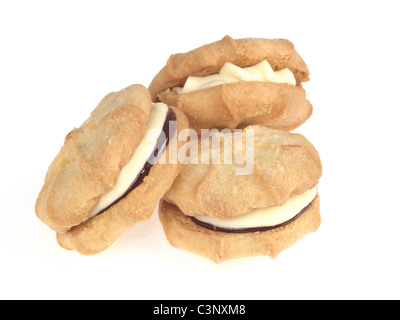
(231, 73)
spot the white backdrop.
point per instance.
(58, 59)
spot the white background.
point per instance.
(59, 58)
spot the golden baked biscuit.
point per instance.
(237, 104)
(218, 246)
(212, 211)
(95, 157)
(284, 164)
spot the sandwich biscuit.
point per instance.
(107, 176)
(236, 83)
(215, 213)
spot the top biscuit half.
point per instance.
(232, 175)
(263, 86)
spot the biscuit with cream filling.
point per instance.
(212, 211)
(218, 246)
(284, 164)
(90, 164)
(237, 104)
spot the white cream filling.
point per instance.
(265, 217)
(230, 73)
(141, 154)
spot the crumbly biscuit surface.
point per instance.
(98, 233)
(235, 105)
(278, 106)
(210, 58)
(284, 163)
(217, 246)
(92, 156)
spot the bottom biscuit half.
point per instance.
(218, 246)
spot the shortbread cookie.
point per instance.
(107, 176)
(235, 83)
(284, 164)
(212, 211)
(218, 246)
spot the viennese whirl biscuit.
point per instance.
(213, 212)
(235, 83)
(106, 177)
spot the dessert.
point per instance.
(236, 83)
(215, 213)
(106, 177)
